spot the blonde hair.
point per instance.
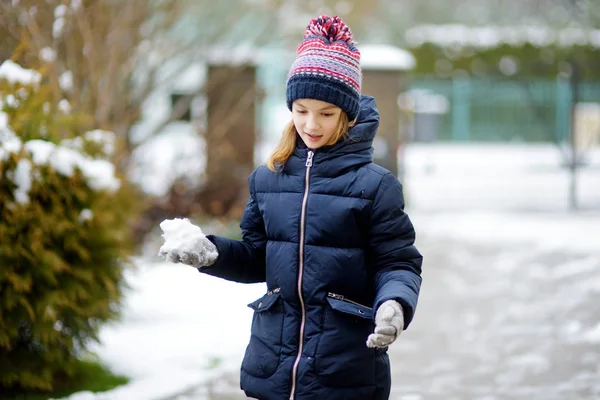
(287, 144)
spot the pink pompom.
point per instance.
(332, 29)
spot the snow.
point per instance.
(178, 323)
(85, 215)
(59, 20)
(492, 36)
(385, 57)
(498, 177)
(48, 54)
(66, 81)
(100, 174)
(176, 153)
(181, 236)
(9, 142)
(506, 228)
(22, 180)
(595, 38)
(11, 100)
(105, 139)
(175, 232)
(593, 335)
(64, 106)
(14, 73)
(240, 54)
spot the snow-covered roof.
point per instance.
(385, 57)
(235, 55)
(493, 36)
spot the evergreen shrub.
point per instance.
(64, 237)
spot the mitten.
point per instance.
(389, 322)
(186, 243)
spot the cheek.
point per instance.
(331, 127)
(298, 123)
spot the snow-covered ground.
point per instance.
(179, 329)
(508, 310)
(523, 177)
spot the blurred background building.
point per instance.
(464, 72)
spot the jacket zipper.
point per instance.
(309, 160)
(342, 298)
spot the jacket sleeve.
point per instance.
(242, 260)
(395, 260)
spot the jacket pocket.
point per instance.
(343, 305)
(263, 352)
(343, 358)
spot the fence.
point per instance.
(496, 109)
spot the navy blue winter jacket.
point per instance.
(330, 237)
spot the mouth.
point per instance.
(314, 138)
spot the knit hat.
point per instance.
(327, 66)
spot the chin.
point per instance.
(313, 145)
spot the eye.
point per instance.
(327, 114)
(300, 111)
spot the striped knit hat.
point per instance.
(327, 66)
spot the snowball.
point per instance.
(177, 233)
(182, 238)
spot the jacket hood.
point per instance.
(366, 125)
(354, 150)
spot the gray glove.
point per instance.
(186, 243)
(389, 323)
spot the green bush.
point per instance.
(89, 376)
(532, 61)
(64, 240)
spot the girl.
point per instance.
(325, 228)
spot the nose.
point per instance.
(312, 123)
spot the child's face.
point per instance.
(316, 121)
